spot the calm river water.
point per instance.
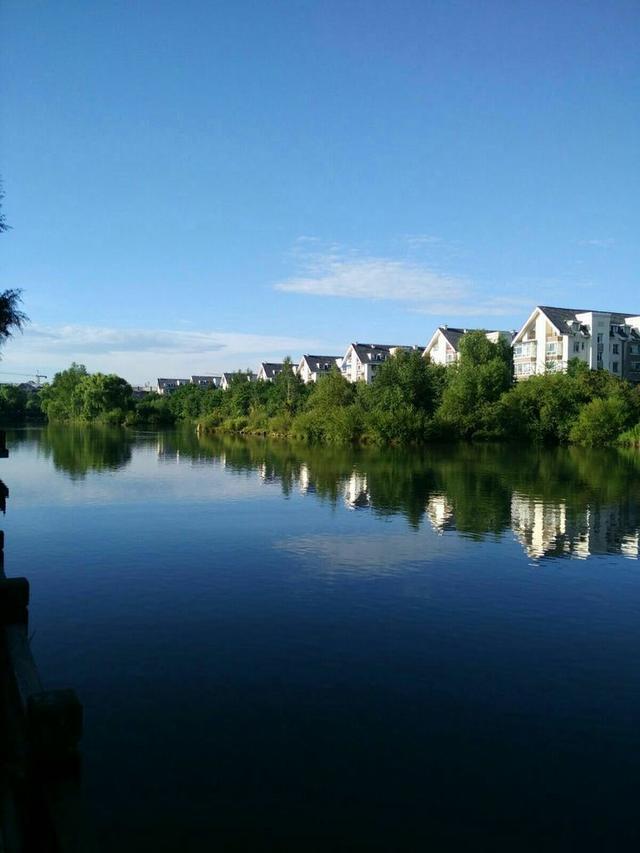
(290, 648)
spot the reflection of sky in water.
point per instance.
(373, 554)
(147, 478)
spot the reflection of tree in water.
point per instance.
(568, 500)
(78, 450)
(556, 500)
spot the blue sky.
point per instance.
(196, 186)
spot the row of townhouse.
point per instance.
(551, 337)
(546, 343)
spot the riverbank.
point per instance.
(410, 402)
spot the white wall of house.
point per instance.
(351, 365)
(440, 351)
(310, 373)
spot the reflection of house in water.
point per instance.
(267, 473)
(356, 493)
(552, 530)
(539, 527)
(307, 486)
(167, 450)
(440, 513)
(630, 545)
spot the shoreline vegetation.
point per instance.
(410, 402)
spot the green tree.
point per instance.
(475, 384)
(330, 414)
(58, 398)
(12, 319)
(151, 409)
(101, 396)
(289, 390)
(13, 402)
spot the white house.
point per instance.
(168, 386)
(601, 339)
(312, 367)
(227, 378)
(208, 381)
(444, 346)
(361, 361)
(269, 370)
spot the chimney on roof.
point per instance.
(445, 327)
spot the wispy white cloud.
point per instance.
(372, 278)
(598, 243)
(420, 241)
(425, 289)
(141, 354)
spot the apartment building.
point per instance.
(604, 340)
(361, 361)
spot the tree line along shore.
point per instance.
(411, 401)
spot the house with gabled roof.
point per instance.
(206, 381)
(311, 367)
(444, 346)
(269, 370)
(361, 362)
(168, 386)
(603, 340)
(228, 378)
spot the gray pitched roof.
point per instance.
(271, 368)
(561, 317)
(249, 376)
(453, 334)
(368, 352)
(318, 362)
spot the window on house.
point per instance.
(614, 366)
(600, 337)
(576, 347)
(616, 349)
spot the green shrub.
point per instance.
(630, 438)
(600, 422)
